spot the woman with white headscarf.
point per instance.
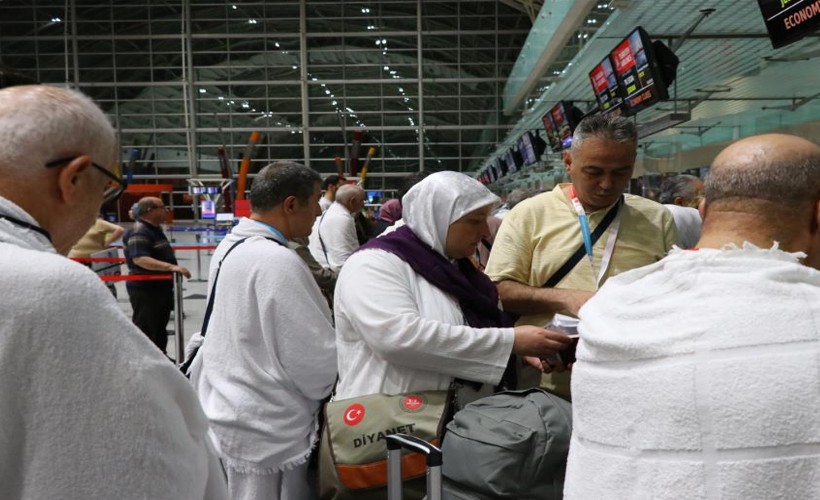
(413, 313)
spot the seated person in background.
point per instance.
(333, 237)
(697, 376)
(540, 234)
(681, 195)
(389, 213)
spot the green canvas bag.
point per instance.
(355, 430)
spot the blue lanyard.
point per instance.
(279, 236)
(583, 221)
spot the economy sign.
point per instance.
(790, 20)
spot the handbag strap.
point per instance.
(321, 241)
(579, 254)
(186, 366)
(210, 306)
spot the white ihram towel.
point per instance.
(699, 377)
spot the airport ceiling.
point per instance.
(730, 78)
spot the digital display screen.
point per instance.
(636, 72)
(605, 86)
(788, 21)
(552, 135)
(526, 149)
(207, 209)
(509, 161)
(563, 128)
(204, 189)
(374, 197)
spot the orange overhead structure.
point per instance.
(242, 180)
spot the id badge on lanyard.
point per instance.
(586, 234)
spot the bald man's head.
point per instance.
(777, 168)
(765, 190)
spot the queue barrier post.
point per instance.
(198, 258)
(178, 317)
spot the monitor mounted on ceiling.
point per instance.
(606, 88)
(560, 123)
(525, 147)
(643, 69)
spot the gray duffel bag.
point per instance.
(513, 444)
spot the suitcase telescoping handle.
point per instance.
(395, 443)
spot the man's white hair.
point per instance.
(39, 123)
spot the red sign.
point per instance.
(413, 402)
(354, 414)
(622, 55)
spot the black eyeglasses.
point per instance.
(113, 189)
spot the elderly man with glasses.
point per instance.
(148, 251)
(89, 408)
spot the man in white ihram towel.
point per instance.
(697, 376)
(90, 409)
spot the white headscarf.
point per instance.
(440, 199)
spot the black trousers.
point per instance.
(152, 310)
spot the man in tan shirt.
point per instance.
(541, 233)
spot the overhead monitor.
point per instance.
(639, 72)
(525, 147)
(374, 197)
(509, 162)
(565, 117)
(552, 135)
(207, 209)
(606, 88)
(789, 21)
(539, 146)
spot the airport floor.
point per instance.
(193, 290)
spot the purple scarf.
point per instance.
(475, 292)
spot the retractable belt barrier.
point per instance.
(179, 332)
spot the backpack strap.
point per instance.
(186, 366)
